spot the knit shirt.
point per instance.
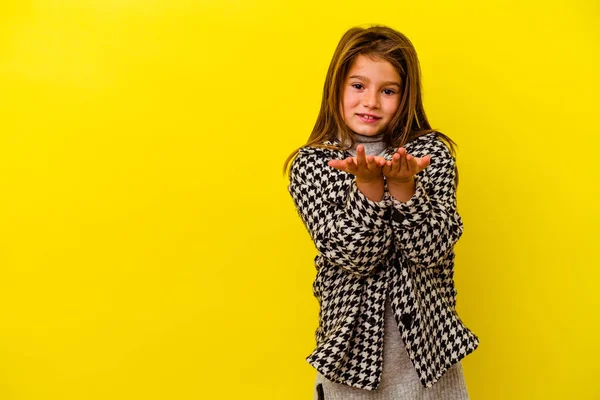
(374, 145)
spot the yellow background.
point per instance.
(149, 248)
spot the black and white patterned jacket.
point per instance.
(369, 250)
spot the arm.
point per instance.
(402, 191)
(347, 228)
(427, 225)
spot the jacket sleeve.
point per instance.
(428, 225)
(347, 228)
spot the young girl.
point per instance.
(376, 188)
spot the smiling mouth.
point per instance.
(368, 118)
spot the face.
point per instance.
(370, 96)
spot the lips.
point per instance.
(368, 118)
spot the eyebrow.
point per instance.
(365, 79)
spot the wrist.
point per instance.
(400, 182)
(373, 189)
(402, 191)
(372, 181)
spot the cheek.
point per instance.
(347, 104)
(349, 98)
(392, 106)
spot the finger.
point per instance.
(337, 164)
(425, 161)
(371, 163)
(351, 166)
(390, 165)
(401, 153)
(421, 163)
(412, 163)
(404, 164)
(386, 169)
(380, 161)
(360, 155)
(396, 163)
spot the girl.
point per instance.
(375, 187)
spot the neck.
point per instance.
(373, 144)
(368, 139)
(358, 138)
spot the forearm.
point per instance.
(402, 191)
(373, 190)
(349, 230)
(427, 225)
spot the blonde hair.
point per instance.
(377, 42)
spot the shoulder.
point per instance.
(311, 160)
(443, 162)
(429, 144)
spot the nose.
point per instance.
(370, 99)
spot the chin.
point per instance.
(367, 132)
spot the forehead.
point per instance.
(373, 69)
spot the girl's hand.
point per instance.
(403, 167)
(366, 169)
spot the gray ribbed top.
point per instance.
(373, 144)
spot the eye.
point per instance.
(354, 85)
(388, 91)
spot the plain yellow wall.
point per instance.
(149, 248)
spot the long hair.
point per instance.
(383, 43)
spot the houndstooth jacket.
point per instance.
(369, 250)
